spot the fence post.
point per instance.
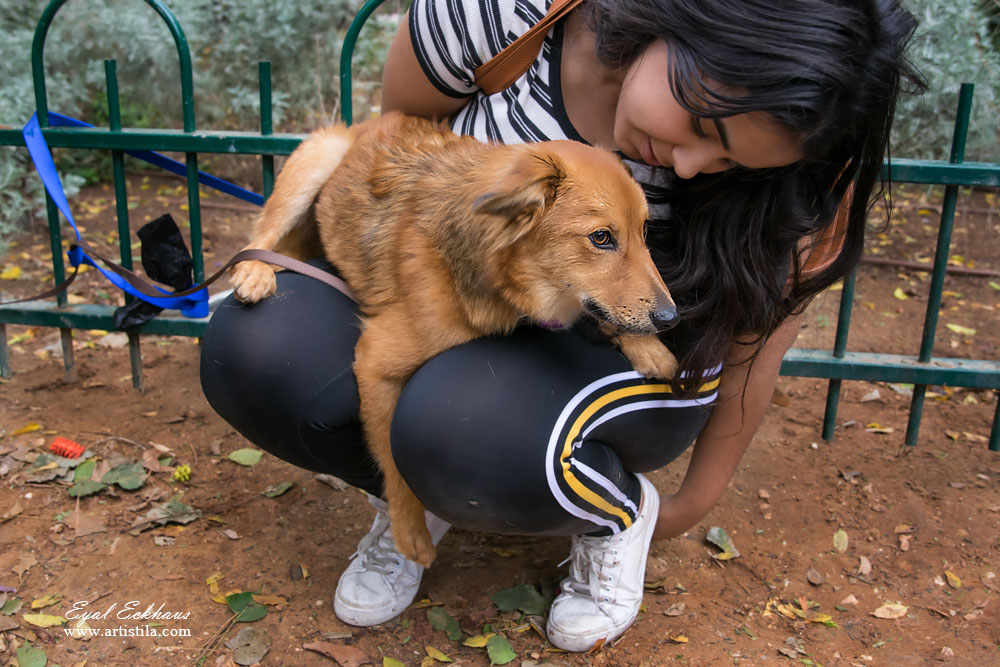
(266, 124)
(347, 54)
(940, 260)
(187, 111)
(121, 207)
(839, 349)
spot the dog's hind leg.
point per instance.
(379, 388)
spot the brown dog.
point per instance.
(444, 239)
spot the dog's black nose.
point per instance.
(664, 316)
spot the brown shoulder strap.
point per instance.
(506, 67)
(824, 248)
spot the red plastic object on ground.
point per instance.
(65, 447)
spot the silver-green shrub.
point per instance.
(956, 42)
(226, 38)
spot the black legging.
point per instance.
(537, 432)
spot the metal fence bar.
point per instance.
(347, 55)
(940, 261)
(266, 124)
(52, 214)
(202, 141)
(839, 349)
(5, 371)
(121, 205)
(994, 443)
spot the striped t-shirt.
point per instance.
(451, 38)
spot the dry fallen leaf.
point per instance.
(12, 512)
(864, 567)
(30, 427)
(271, 600)
(346, 656)
(478, 641)
(436, 654)
(891, 610)
(27, 562)
(86, 523)
(45, 601)
(840, 540)
(44, 620)
(11, 272)
(676, 609)
(953, 579)
(959, 329)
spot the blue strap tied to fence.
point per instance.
(194, 305)
(173, 166)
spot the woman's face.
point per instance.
(652, 127)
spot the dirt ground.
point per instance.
(831, 535)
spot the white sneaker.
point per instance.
(380, 582)
(600, 598)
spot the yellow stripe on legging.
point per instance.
(575, 484)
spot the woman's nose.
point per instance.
(688, 163)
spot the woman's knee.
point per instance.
(280, 372)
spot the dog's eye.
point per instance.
(603, 239)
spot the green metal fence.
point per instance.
(921, 369)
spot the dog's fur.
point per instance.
(444, 239)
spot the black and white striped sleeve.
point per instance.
(451, 38)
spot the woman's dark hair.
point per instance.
(828, 70)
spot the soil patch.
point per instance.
(921, 524)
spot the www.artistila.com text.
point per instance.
(121, 631)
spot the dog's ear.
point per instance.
(523, 190)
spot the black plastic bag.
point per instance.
(165, 259)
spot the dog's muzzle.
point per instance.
(665, 315)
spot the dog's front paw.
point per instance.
(412, 538)
(649, 356)
(252, 281)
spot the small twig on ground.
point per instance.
(102, 595)
(215, 640)
(119, 438)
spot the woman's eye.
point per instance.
(602, 239)
(697, 127)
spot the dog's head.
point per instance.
(570, 224)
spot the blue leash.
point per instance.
(192, 302)
(193, 305)
(173, 166)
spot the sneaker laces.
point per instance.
(593, 562)
(377, 550)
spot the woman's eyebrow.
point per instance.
(723, 136)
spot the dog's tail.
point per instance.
(280, 225)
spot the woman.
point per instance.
(746, 121)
